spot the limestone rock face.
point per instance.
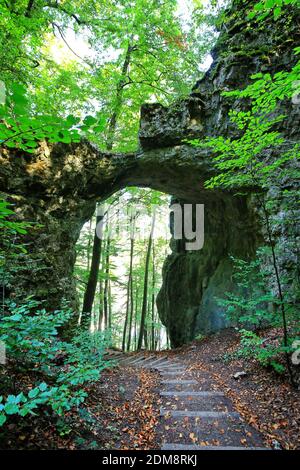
(164, 127)
(193, 280)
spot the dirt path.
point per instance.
(195, 414)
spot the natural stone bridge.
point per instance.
(59, 186)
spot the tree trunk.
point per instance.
(136, 315)
(106, 282)
(100, 313)
(88, 250)
(89, 294)
(129, 301)
(130, 318)
(145, 293)
(119, 96)
(109, 305)
(153, 300)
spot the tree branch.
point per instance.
(29, 8)
(68, 46)
(78, 20)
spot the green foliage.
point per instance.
(251, 304)
(13, 252)
(42, 53)
(31, 338)
(263, 8)
(253, 346)
(12, 228)
(254, 308)
(11, 248)
(19, 128)
(199, 337)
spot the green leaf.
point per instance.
(277, 13)
(11, 408)
(31, 144)
(89, 121)
(33, 393)
(2, 419)
(72, 120)
(43, 386)
(16, 317)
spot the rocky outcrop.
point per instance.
(193, 281)
(58, 187)
(163, 127)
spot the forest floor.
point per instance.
(123, 408)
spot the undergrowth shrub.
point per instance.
(56, 370)
(254, 309)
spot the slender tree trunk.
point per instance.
(130, 315)
(126, 319)
(106, 282)
(168, 339)
(129, 298)
(88, 251)
(153, 300)
(145, 293)
(279, 287)
(136, 315)
(119, 100)
(109, 305)
(89, 294)
(100, 311)
(158, 340)
(146, 330)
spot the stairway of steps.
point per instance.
(195, 415)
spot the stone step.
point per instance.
(170, 364)
(219, 431)
(172, 372)
(170, 446)
(138, 360)
(181, 387)
(192, 394)
(179, 382)
(199, 414)
(144, 361)
(189, 402)
(112, 358)
(131, 358)
(158, 361)
(116, 355)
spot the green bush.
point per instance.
(254, 307)
(254, 346)
(251, 305)
(30, 335)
